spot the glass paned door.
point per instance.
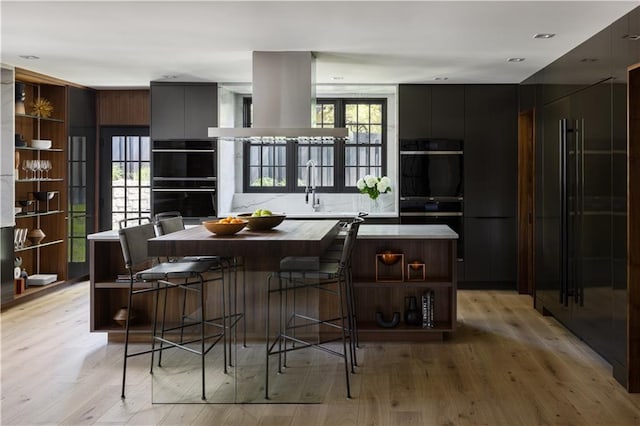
(80, 206)
(125, 176)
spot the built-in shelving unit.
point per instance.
(387, 296)
(49, 255)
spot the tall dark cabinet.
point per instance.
(484, 118)
(581, 193)
(184, 159)
(490, 185)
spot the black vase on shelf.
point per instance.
(412, 313)
(20, 97)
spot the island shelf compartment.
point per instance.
(372, 295)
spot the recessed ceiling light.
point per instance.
(634, 37)
(515, 60)
(588, 59)
(29, 57)
(337, 78)
(543, 35)
(169, 76)
(440, 78)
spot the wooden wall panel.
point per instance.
(124, 108)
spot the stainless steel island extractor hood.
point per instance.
(283, 99)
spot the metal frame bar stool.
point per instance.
(298, 273)
(168, 222)
(159, 278)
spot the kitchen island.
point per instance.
(378, 287)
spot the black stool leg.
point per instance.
(126, 337)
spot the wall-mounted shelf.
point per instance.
(36, 246)
(29, 148)
(37, 117)
(28, 215)
(39, 180)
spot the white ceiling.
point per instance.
(105, 44)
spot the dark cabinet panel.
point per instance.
(167, 111)
(489, 251)
(414, 111)
(183, 111)
(200, 110)
(490, 150)
(447, 112)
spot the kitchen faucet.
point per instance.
(311, 186)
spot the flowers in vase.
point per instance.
(374, 185)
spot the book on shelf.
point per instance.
(427, 309)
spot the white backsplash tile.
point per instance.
(294, 205)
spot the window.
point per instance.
(278, 165)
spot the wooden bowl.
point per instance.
(415, 265)
(217, 228)
(262, 223)
(389, 258)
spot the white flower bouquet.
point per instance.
(373, 185)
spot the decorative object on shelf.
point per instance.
(39, 280)
(24, 206)
(416, 271)
(45, 197)
(19, 141)
(395, 320)
(41, 143)
(19, 238)
(20, 97)
(427, 309)
(121, 316)
(36, 235)
(389, 258)
(20, 285)
(412, 315)
(385, 266)
(16, 159)
(17, 267)
(41, 107)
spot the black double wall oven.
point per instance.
(184, 178)
(431, 184)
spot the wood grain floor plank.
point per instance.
(505, 365)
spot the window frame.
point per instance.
(292, 153)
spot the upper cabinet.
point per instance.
(414, 111)
(431, 111)
(447, 112)
(490, 150)
(183, 111)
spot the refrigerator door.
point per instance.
(551, 218)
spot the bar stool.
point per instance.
(168, 222)
(328, 276)
(158, 278)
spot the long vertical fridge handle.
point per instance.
(562, 178)
(578, 296)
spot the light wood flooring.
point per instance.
(506, 365)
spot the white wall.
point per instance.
(7, 179)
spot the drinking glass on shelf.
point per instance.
(25, 166)
(46, 166)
